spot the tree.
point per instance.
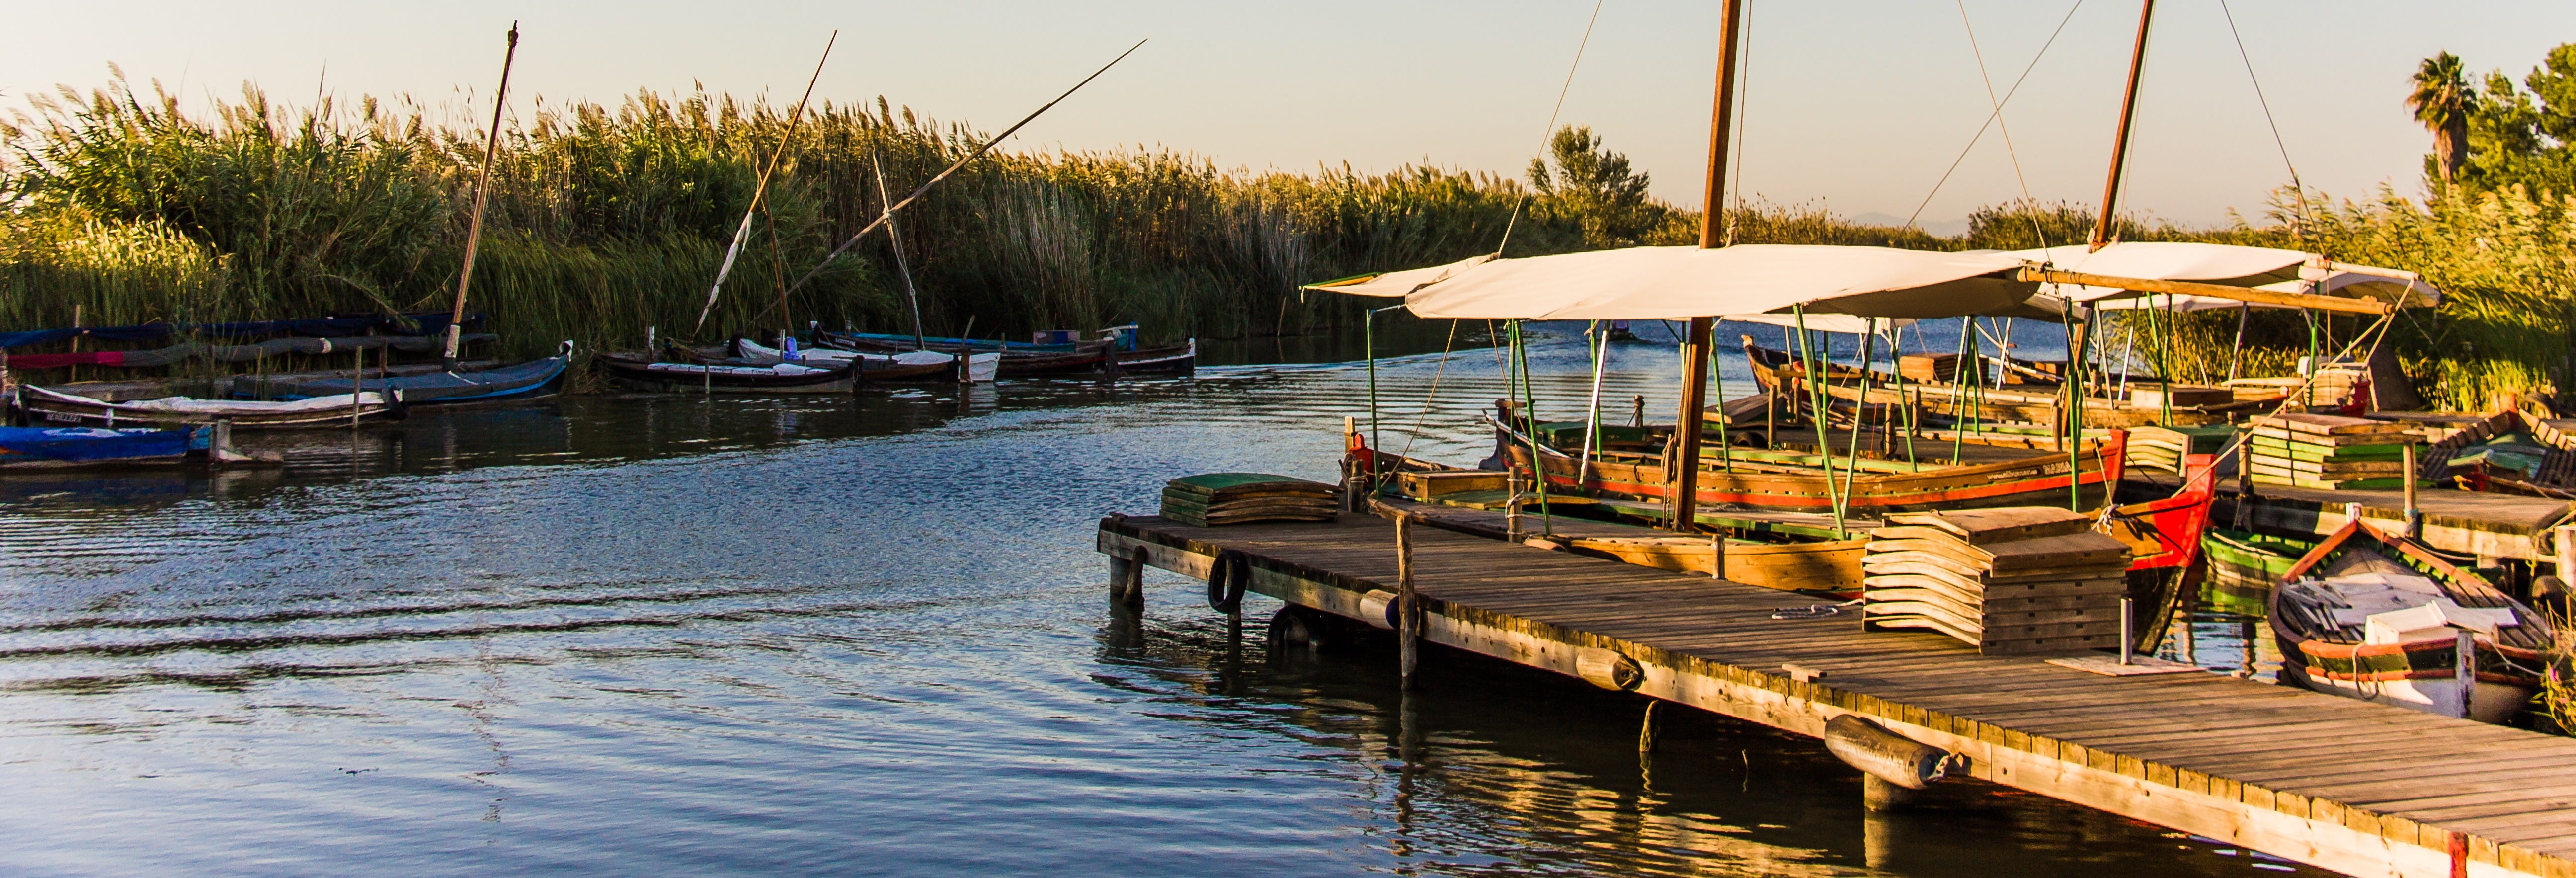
(2526, 139)
(2441, 101)
(1595, 188)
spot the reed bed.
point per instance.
(607, 221)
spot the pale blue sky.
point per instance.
(1859, 104)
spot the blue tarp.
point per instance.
(59, 445)
(408, 324)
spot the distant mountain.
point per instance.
(1943, 228)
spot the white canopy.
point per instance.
(2262, 268)
(1648, 283)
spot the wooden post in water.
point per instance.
(1409, 606)
(357, 382)
(2414, 516)
(74, 374)
(2120, 142)
(482, 194)
(1712, 231)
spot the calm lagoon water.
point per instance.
(671, 635)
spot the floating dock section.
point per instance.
(2355, 787)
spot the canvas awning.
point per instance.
(1649, 283)
(2260, 268)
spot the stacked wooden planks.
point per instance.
(1241, 498)
(2163, 447)
(2010, 580)
(2329, 452)
(1929, 367)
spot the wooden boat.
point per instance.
(529, 380)
(1030, 361)
(907, 366)
(2166, 559)
(784, 378)
(1179, 359)
(2378, 617)
(1778, 371)
(53, 407)
(2250, 563)
(70, 447)
(1749, 478)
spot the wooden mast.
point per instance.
(1712, 229)
(482, 193)
(2120, 143)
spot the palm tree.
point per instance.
(2441, 101)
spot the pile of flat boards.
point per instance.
(1213, 499)
(2164, 447)
(2329, 452)
(2013, 580)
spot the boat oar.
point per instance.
(952, 169)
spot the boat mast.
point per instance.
(482, 194)
(2120, 142)
(1695, 365)
(895, 237)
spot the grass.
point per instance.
(607, 220)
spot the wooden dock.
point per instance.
(2480, 524)
(2345, 785)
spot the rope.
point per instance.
(2299, 188)
(1436, 371)
(2000, 127)
(1993, 116)
(1551, 119)
(1743, 91)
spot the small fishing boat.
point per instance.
(67, 447)
(54, 407)
(1179, 359)
(534, 378)
(1016, 361)
(782, 378)
(2250, 563)
(1798, 480)
(2378, 617)
(876, 367)
(1778, 371)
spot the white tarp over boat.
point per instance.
(185, 405)
(1649, 283)
(2262, 268)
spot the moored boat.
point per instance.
(2378, 617)
(784, 378)
(53, 407)
(534, 378)
(69, 447)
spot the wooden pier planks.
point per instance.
(2339, 783)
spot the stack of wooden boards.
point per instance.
(2012, 580)
(2163, 447)
(2329, 452)
(1213, 499)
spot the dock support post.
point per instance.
(2414, 516)
(1408, 606)
(1646, 730)
(1126, 582)
(220, 445)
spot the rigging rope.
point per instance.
(2299, 189)
(1436, 371)
(1551, 119)
(2000, 127)
(1743, 91)
(1992, 116)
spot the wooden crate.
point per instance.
(1424, 486)
(1929, 367)
(2179, 396)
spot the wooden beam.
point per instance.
(2216, 291)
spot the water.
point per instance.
(666, 635)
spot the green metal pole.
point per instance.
(1529, 417)
(1824, 446)
(1368, 335)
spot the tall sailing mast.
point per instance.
(2120, 142)
(1686, 429)
(482, 194)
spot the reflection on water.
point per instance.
(830, 635)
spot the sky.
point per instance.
(1858, 105)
